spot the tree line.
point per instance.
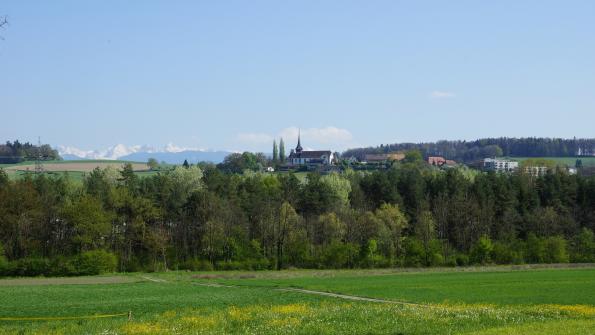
(204, 217)
(15, 152)
(468, 151)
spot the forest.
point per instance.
(203, 217)
(469, 151)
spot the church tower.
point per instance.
(298, 148)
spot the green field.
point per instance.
(496, 300)
(568, 161)
(76, 176)
(69, 162)
(80, 167)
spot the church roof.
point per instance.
(310, 154)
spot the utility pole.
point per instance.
(38, 158)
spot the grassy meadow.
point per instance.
(76, 169)
(568, 161)
(497, 300)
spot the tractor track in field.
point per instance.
(320, 293)
(154, 280)
(348, 297)
(300, 290)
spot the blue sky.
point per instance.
(235, 74)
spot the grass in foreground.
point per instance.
(177, 303)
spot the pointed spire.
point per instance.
(298, 148)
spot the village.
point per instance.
(326, 161)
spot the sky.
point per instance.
(234, 75)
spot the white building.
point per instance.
(536, 171)
(500, 165)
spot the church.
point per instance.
(299, 156)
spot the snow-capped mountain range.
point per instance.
(170, 153)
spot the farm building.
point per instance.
(440, 161)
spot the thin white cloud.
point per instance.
(441, 95)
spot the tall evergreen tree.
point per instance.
(281, 150)
(275, 152)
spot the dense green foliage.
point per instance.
(208, 217)
(15, 152)
(467, 151)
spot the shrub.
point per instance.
(462, 260)
(555, 250)
(258, 264)
(5, 268)
(29, 267)
(156, 266)
(535, 249)
(414, 252)
(232, 265)
(196, 264)
(131, 265)
(62, 266)
(336, 255)
(584, 247)
(480, 253)
(503, 254)
(436, 259)
(3, 262)
(450, 261)
(95, 262)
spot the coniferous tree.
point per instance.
(281, 150)
(275, 152)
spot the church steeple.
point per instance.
(298, 148)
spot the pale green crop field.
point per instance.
(477, 301)
(568, 161)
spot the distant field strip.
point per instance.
(67, 281)
(569, 161)
(76, 166)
